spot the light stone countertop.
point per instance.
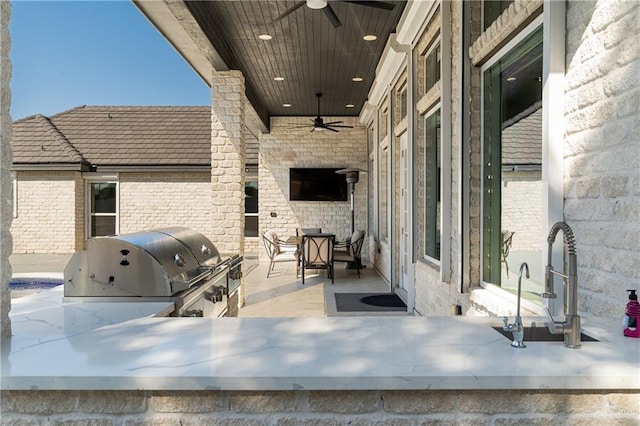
(60, 346)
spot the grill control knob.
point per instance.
(179, 260)
(205, 250)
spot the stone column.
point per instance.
(227, 161)
(6, 156)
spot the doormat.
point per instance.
(369, 302)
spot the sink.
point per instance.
(541, 334)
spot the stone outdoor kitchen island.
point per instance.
(115, 363)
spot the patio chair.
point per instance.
(317, 253)
(507, 240)
(279, 251)
(349, 251)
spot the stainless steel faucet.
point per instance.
(516, 328)
(570, 327)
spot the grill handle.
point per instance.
(183, 285)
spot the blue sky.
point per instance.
(71, 53)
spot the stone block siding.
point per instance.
(366, 408)
(228, 160)
(6, 159)
(153, 200)
(47, 221)
(602, 151)
(427, 284)
(289, 145)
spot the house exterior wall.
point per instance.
(228, 161)
(289, 145)
(431, 295)
(6, 158)
(47, 221)
(154, 200)
(602, 149)
(409, 408)
(51, 207)
(601, 123)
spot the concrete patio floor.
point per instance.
(280, 295)
(284, 295)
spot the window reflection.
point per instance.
(512, 183)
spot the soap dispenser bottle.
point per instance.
(632, 316)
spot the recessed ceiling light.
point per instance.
(350, 105)
(286, 105)
(370, 37)
(278, 78)
(265, 37)
(511, 79)
(357, 79)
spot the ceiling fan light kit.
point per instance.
(319, 124)
(328, 10)
(316, 4)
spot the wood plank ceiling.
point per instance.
(305, 49)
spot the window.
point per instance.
(432, 67)
(371, 219)
(383, 174)
(403, 101)
(251, 203)
(382, 122)
(512, 190)
(433, 187)
(102, 206)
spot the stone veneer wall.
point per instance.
(153, 200)
(227, 161)
(356, 408)
(47, 204)
(290, 144)
(602, 150)
(6, 159)
(426, 277)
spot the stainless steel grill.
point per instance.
(170, 264)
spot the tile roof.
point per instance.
(116, 136)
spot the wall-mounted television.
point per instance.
(317, 184)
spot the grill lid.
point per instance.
(200, 246)
(159, 262)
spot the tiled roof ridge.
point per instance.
(59, 137)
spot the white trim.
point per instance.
(415, 18)
(553, 70)
(445, 144)
(14, 184)
(91, 178)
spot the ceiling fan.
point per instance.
(328, 10)
(319, 124)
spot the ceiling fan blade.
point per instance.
(333, 122)
(289, 11)
(377, 4)
(345, 127)
(328, 11)
(329, 128)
